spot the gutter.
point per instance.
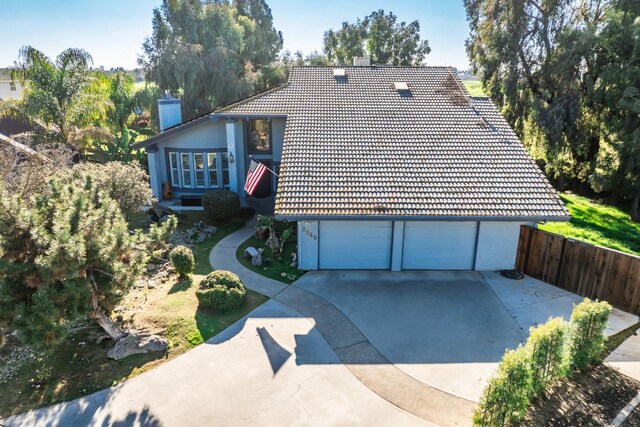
(486, 218)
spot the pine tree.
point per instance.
(65, 254)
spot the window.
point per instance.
(12, 86)
(199, 169)
(212, 166)
(198, 166)
(259, 136)
(225, 170)
(186, 170)
(175, 169)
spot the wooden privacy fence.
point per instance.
(582, 268)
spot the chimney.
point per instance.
(361, 61)
(169, 113)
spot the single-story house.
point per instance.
(381, 167)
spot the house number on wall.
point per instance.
(309, 233)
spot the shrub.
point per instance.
(182, 260)
(221, 291)
(506, 397)
(220, 205)
(546, 346)
(588, 322)
(127, 184)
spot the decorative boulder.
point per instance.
(136, 344)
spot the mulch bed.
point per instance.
(590, 398)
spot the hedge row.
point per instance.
(552, 351)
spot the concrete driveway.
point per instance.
(447, 329)
(335, 348)
(271, 368)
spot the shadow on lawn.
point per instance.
(181, 285)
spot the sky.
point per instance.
(112, 31)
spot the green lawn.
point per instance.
(274, 265)
(598, 223)
(77, 366)
(474, 87)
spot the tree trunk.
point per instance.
(110, 327)
(635, 202)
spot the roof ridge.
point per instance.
(250, 98)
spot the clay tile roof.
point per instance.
(356, 146)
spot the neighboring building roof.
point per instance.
(356, 147)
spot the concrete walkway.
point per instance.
(531, 302)
(626, 358)
(223, 257)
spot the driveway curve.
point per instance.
(348, 342)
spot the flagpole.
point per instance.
(264, 166)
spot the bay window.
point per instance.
(198, 169)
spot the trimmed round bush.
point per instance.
(221, 291)
(182, 260)
(221, 205)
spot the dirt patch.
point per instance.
(590, 398)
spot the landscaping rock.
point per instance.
(135, 344)
(161, 211)
(151, 267)
(209, 230)
(256, 261)
(250, 252)
(262, 232)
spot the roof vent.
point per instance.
(339, 72)
(401, 86)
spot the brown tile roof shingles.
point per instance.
(355, 146)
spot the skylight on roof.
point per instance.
(401, 86)
(339, 72)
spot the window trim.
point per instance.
(189, 155)
(196, 170)
(191, 152)
(174, 183)
(222, 169)
(216, 156)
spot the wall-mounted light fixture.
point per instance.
(231, 158)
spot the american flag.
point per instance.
(256, 170)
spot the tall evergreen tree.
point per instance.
(211, 52)
(381, 37)
(618, 166)
(67, 253)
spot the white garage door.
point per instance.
(435, 245)
(355, 245)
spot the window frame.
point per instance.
(248, 143)
(217, 162)
(188, 155)
(221, 172)
(224, 170)
(196, 170)
(175, 179)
